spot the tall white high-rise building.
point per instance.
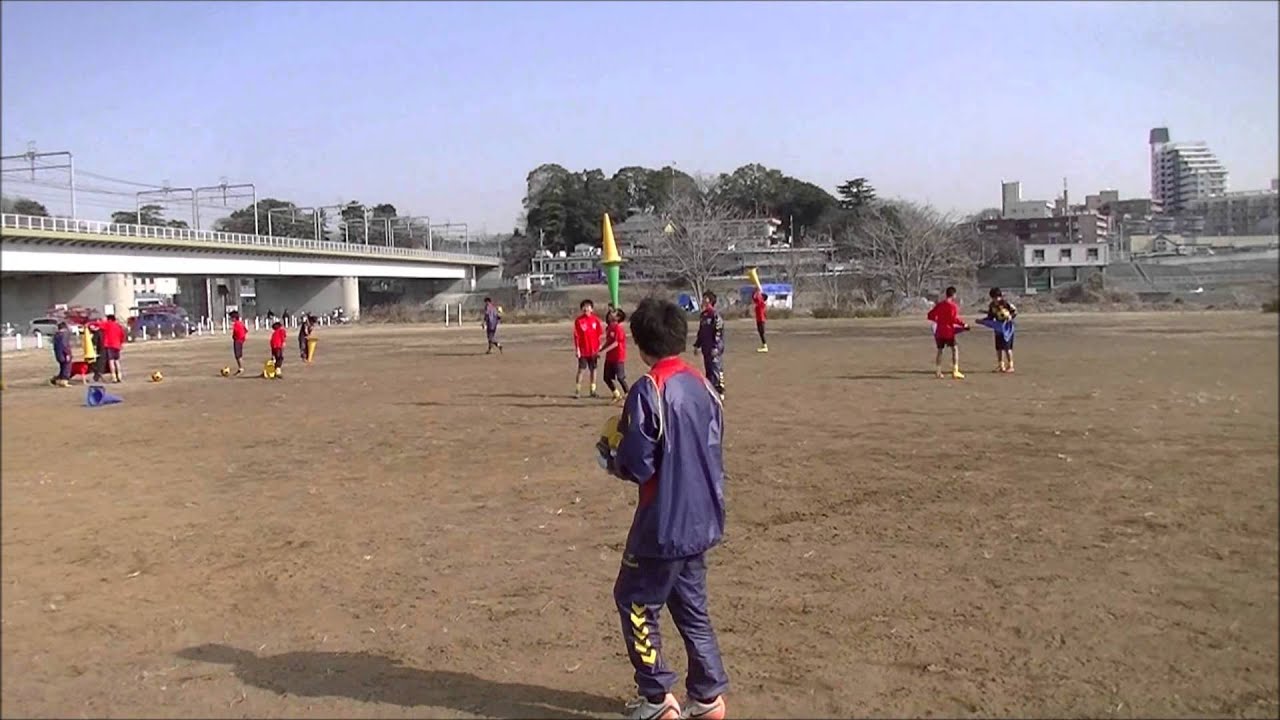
(1182, 172)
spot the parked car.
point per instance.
(47, 326)
(157, 324)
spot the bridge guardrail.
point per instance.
(157, 232)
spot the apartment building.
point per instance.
(1182, 172)
(1013, 207)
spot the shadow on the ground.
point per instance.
(567, 405)
(898, 375)
(513, 396)
(375, 678)
(451, 353)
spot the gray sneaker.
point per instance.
(713, 710)
(642, 709)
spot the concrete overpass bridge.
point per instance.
(84, 262)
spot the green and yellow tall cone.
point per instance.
(610, 259)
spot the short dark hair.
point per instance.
(620, 314)
(995, 293)
(235, 314)
(488, 300)
(763, 296)
(62, 326)
(951, 291)
(709, 296)
(659, 328)
(112, 317)
(276, 325)
(585, 304)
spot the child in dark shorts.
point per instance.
(1001, 312)
(239, 332)
(615, 354)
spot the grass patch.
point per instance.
(866, 311)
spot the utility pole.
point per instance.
(320, 221)
(386, 225)
(408, 221)
(30, 156)
(164, 192)
(224, 187)
(293, 215)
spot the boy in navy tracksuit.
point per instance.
(491, 319)
(62, 355)
(672, 428)
(711, 341)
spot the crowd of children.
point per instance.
(101, 344)
(103, 340)
(276, 343)
(674, 457)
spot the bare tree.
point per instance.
(796, 266)
(828, 285)
(909, 247)
(692, 239)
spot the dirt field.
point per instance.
(409, 528)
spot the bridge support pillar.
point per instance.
(351, 296)
(118, 293)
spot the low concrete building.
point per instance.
(1084, 227)
(1176, 244)
(1254, 212)
(1041, 261)
(639, 233)
(581, 267)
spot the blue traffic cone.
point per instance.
(98, 396)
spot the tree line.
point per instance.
(563, 208)
(892, 246)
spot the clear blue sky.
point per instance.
(443, 108)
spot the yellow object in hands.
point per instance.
(754, 276)
(607, 445)
(86, 345)
(611, 434)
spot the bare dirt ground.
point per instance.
(410, 528)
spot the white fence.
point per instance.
(204, 326)
(156, 232)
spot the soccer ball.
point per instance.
(225, 372)
(1002, 314)
(157, 376)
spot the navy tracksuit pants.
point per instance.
(713, 367)
(644, 585)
